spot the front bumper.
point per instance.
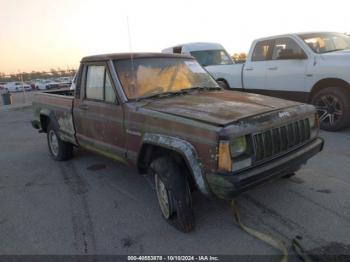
(227, 186)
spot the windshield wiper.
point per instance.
(159, 95)
(199, 88)
(179, 92)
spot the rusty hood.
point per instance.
(218, 107)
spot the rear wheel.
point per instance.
(333, 107)
(223, 84)
(59, 150)
(173, 193)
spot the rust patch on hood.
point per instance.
(218, 107)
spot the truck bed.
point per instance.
(56, 106)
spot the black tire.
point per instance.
(59, 150)
(289, 175)
(333, 107)
(223, 84)
(177, 191)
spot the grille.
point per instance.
(275, 141)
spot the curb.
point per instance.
(15, 107)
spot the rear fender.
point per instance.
(63, 124)
(51, 117)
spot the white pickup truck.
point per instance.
(307, 67)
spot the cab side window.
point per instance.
(286, 48)
(99, 85)
(262, 51)
(109, 90)
(95, 82)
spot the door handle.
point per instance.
(84, 107)
(249, 69)
(273, 68)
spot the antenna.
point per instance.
(130, 47)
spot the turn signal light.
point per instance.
(224, 159)
(317, 119)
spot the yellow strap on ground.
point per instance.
(300, 251)
(276, 243)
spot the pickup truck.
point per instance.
(165, 115)
(307, 67)
(17, 87)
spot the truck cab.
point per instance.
(306, 67)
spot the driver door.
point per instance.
(98, 115)
(286, 71)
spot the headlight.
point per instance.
(234, 155)
(238, 146)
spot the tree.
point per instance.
(27, 76)
(239, 57)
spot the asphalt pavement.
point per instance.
(93, 205)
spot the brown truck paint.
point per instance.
(190, 125)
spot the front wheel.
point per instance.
(333, 107)
(173, 193)
(59, 150)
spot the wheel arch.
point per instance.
(181, 150)
(328, 82)
(47, 117)
(223, 80)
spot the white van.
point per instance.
(214, 58)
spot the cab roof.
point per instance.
(196, 46)
(292, 34)
(122, 56)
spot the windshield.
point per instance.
(212, 57)
(326, 42)
(142, 77)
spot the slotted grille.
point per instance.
(278, 140)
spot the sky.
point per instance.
(44, 34)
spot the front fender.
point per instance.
(187, 151)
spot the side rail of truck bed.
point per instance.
(55, 108)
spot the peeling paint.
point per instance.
(65, 122)
(187, 150)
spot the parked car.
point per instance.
(64, 82)
(32, 84)
(2, 85)
(307, 67)
(44, 84)
(74, 81)
(17, 87)
(165, 115)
